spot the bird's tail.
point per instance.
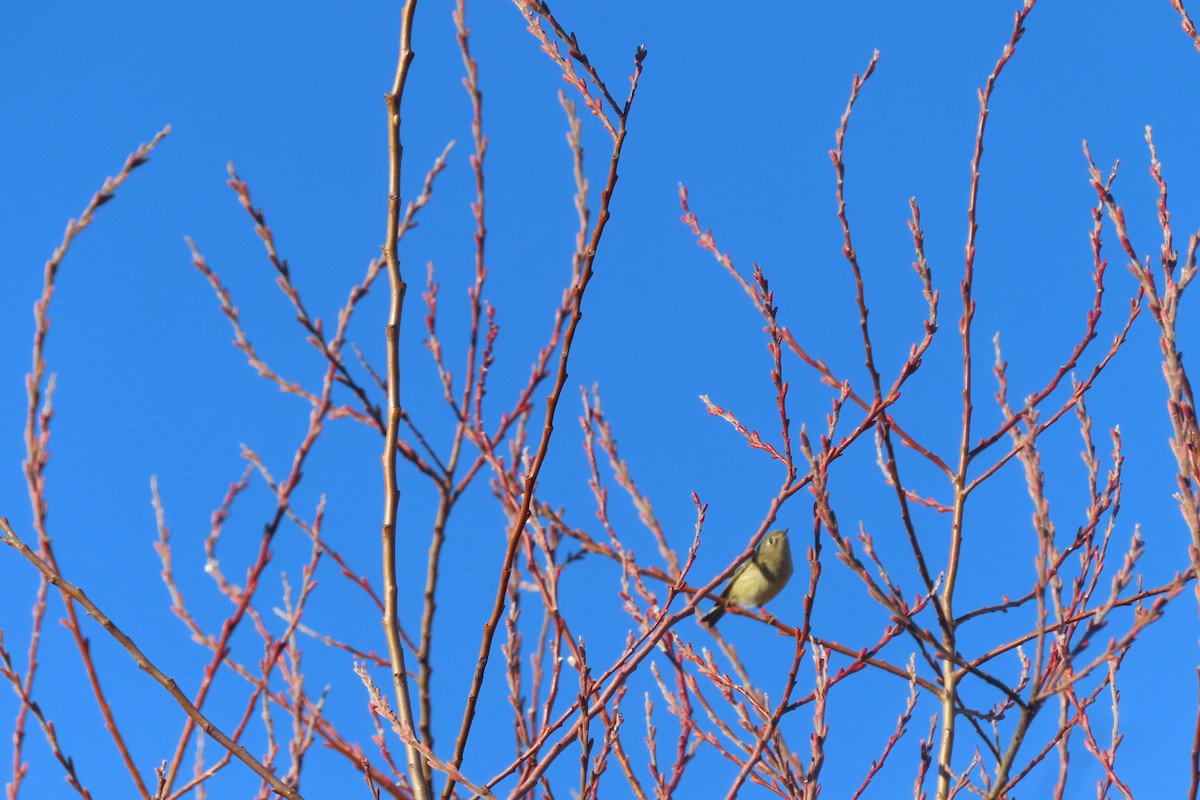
(714, 614)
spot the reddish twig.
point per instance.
(37, 441)
(534, 468)
(52, 575)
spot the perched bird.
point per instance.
(758, 579)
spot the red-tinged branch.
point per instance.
(1164, 305)
(472, 389)
(10, 674)
(891, 465)
(901, 729)
(1092, 320)
(766, 299)
(242, 597)
(241, 340)
(535, 465)
(594, 415)
(534, 12)
(53, 576)
(380, 706)
(370, 413)
(837, 155)
(330, 349)
(37, 448)
(1106, 757)
(1186, 23)
(887, 457)
(705, 240)
(772, 725)
(752, 438)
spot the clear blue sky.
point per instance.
(739, 104)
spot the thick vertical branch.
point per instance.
(391, 618)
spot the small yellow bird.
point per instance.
(759, 578)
